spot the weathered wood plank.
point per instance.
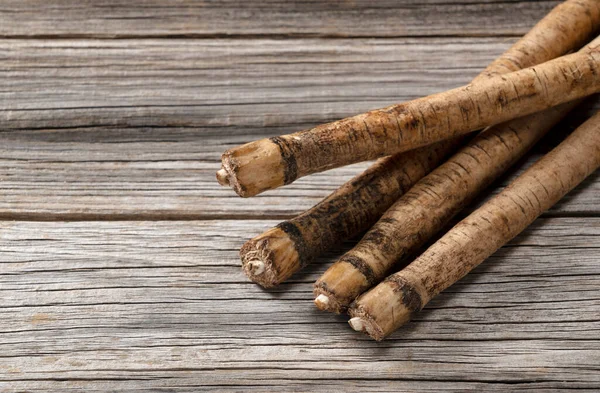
(121, 18)
(135, 128)
(149, 305)
(276, 86)
(161, 174)
(213, 83)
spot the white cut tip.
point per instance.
(223, 177)
(257, 267)
(322, 301)
(357, 324)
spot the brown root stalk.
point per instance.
(392, 303)
(270, 163)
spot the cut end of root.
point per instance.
(226, 176)
(357, 324)
(256, 267)
(326, 301)
(252, 168)
(322, 301)
(257, 263)
(223, 177)
(270, 258)
(362, 322)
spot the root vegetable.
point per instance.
(275, 255)
(391, 303)
(430, 204)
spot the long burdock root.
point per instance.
(275, 255)
(392, 303)
(416, 123)
(270, 163)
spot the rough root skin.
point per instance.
(320, 226)
(423, 121)
(352, 208)
(567, 27)
(432, 202)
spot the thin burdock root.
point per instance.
(270, 163)
(275, 255)
(392, 303)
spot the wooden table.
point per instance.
(118, 264)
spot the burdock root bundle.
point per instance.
(404, 199)
(275, 255)
(391, 303)
(429, 205)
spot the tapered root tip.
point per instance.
(256, 267)
(322, 302)
(223, 177)
(357, 324)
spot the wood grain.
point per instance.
(266, 83)
(103, 175)
(100, 306)
(213, 18)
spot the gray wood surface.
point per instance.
(118, 250)
(142, 305)
(214, 18)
